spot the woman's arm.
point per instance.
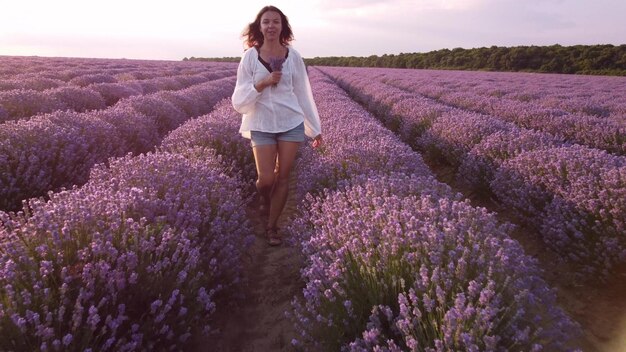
(302, 90)
(245, 94)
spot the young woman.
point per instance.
(277, 107)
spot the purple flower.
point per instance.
(276, 63)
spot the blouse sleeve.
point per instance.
(245, 95)
(302, 90)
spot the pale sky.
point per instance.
(171, 30)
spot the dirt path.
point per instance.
(599, 309)
(258, 322)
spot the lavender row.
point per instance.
(93, 93)
(217, 131)
(454, 135)
(423, 123)
(577, 196)
(57, 150)
(40, 82)
(136, 259)
(366, 147)
(390, 268)
(578, 95)
(576, 206)
(596, 132)
(580, 126)
(593, 131)
(44, 73)
(394, 261)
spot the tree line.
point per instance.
(604, 59)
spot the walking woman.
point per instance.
(274, 96)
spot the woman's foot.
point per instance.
(273, 237)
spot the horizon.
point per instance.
(162, 31)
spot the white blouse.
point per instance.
(276, 108)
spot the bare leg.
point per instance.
(265, 159)
(286, 155)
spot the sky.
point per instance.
(172, 30)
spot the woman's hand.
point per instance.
(274, 77)
(270, 80)
(317, 141)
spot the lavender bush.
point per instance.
(114, 92)
(88, 79)
(370, 148)
(38, 83)
(186, 102)
(405, 271)
(218, 131)
(454, 134)
(78, 99)
(134, 260)
(529, 181)
(24, 103)
(50, 152)
(138, 131)
(573, 193)
(479, 165)
(587, 226)
(164, 114)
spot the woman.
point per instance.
(277, 106)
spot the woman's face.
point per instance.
(271, 25)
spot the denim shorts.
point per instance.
(295, 134)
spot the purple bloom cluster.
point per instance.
(557, 192)
(219, 131)
(576, 195)
(479, 165)
(79, 99)
(593, 116)
(79, 90)
(136, 259)
(406, 113)
(52, 151)
(114, 92)
(456, 132)
(24, 103)
(394, 259)
(88, 79)
(138, 131)
(38, 83)
(415, 270)
(57, 150)
(366, 148)
(276, 63)
(165, 115)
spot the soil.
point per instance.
(257, 323)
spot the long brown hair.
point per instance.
(252, 33)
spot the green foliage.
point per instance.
(579, 59)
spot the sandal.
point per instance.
(273, 238)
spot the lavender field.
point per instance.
(447, 210)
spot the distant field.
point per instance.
(447, 210)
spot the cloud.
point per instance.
(331, 5)
(376, 27)
(322, 27)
